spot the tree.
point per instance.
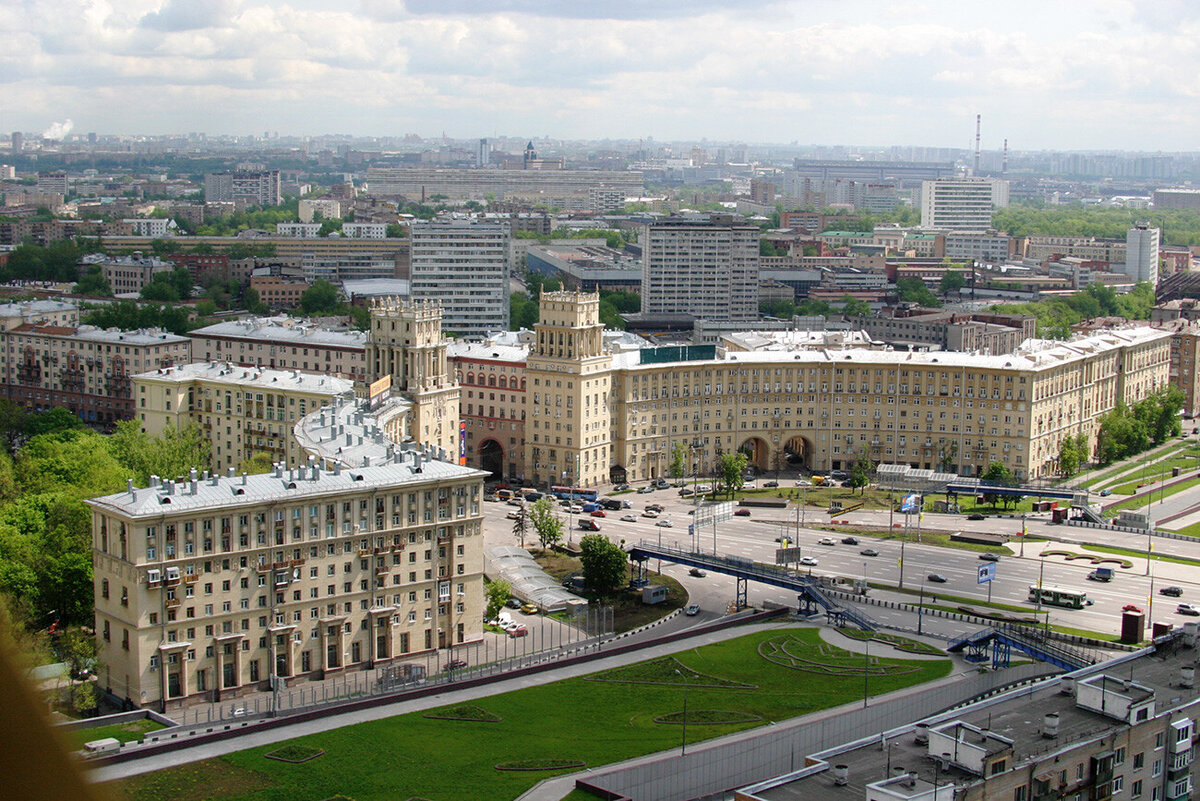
(732, 469)
(678, 466)
(853, 307)
(52, 421)
(914, 290)
(605, 565)
(321, 297)
(860, 472)
(256, 464)
(546, 525)
(948, 456)
(952, 283)
(521, 523)
(253, 302)
(997, 474)
(497, 593)
(1072, 453)
(174, 453)
(93, 283)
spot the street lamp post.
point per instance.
(921, 608)
(866, 670)
(683, 744)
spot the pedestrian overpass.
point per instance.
(1078, 498)
(1006, 638)
(807, 588)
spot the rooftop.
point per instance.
(90, 333)
(258, 377)
(286, 330)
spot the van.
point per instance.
(504, 494)
(591, 506)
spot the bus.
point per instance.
(1057, 596)
(574, 493)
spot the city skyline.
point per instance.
(1066, 76)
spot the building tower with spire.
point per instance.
(569, 377)
(406, 343)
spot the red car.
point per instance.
(1131, 608)
(599, 513)
(742, 513)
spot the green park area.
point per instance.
(499, 746)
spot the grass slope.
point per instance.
(603, 722)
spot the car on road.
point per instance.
(513, 515)
(529, 609)
(455, 664)
(869, 552)
(839, 474)
(656, 507)
(1188, 609)
(588, 524)
(779, 539)
(629, 518)
(976, 516)
(665, 523)
(990, 557)
(697, 572)
(742, 513)
(849, 540)
(811, 561)
(770, 484)
(620, 488)
(827, 541)
(686, 492)
(1131, 608)
(1172, 591)
(936, 578)
(692, 610)
(803, 482)
(599, 513)
(649, 513)
(645, 490)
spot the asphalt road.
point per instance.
(754, 537)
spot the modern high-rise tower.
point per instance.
(961, 204)
(462, 265)
(1141, 253)
(703, 265)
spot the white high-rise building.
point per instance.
(961, 204)
(706, 266)
(1141, 253)
(462, 265)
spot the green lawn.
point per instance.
(1136, 461)
(125, 732)
(1138, 503)
(595, 721)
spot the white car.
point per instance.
(811, 561)
(649, 513)
(664, 523)
(692, 610)
(827, 541)
(629, 518)
(574, 509)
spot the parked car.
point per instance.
(1172, 591)
(869, 552)
(1188, 609)
(839, 474)
(645, 490)
(697, 572)
(529, 609)
(455, 664)
(1104, 493)
(936, 578)
(513, 603)
(518, 631)
(742, 513)
(770, 484)
(665, 523)
(849, 540)
(686, 492)
(990, 557)
(629, 518)
(976, 516)
(620, 488)
(692, 610)
(598, 513)
(827, 541)
(811, 561)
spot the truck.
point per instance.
(1101, 574)
(818, 481)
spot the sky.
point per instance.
(1053, 74)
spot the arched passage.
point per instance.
(798, 452)
(491, 457)
(757, 453)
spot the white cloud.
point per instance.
(1044, 74)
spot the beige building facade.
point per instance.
(241, 410)
(214, 587)
(310, 345)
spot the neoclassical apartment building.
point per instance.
(593, 416)
(213, 586)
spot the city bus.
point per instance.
(574, 493)
(1057, 596)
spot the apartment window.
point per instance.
(1021, 794)
(1139, 761)
(1135, 790)
(1157, 769)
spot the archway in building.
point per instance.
(797, 452)
(491, 457)
(757, 454)
(617, 474)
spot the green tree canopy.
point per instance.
(497, 593)
(605, 565)
(321, 297)
(546, 525)
(732, 468)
